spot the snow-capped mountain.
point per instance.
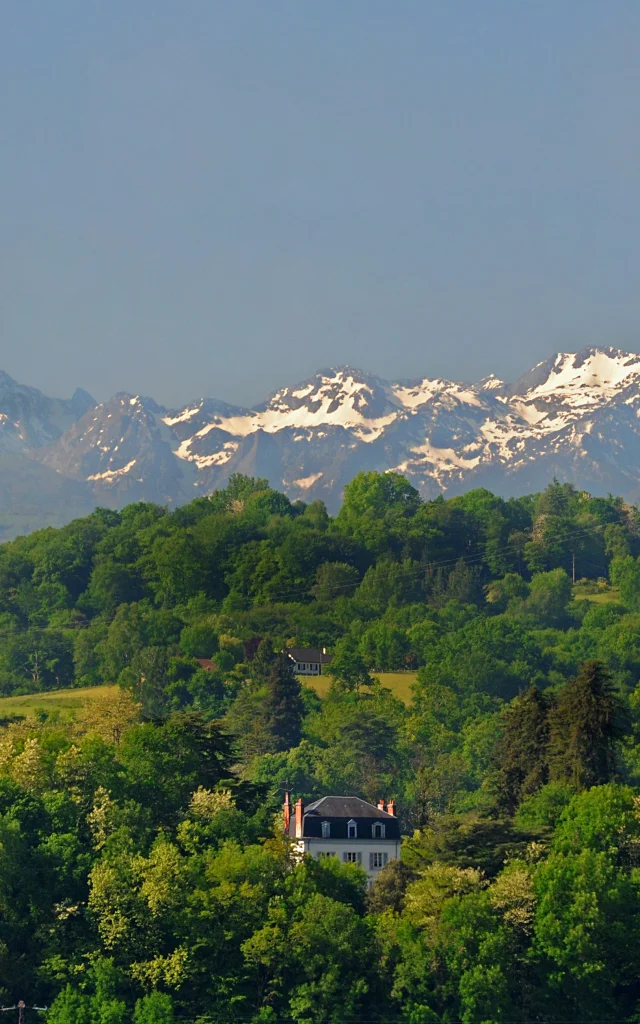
(124, 451)
(575, 416)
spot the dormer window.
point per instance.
(326, 829)
(377, 830)
(352, 830)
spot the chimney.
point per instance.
(286, 809)
(391, 808)
(299, 816)
(381, 805)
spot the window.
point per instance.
(377, 860)
(377, 830)
(324, 854)
(326, 829)
(350, 857)
(352, 830)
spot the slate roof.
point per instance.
(310, 654)
(339, 811)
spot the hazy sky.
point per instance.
(205, 197)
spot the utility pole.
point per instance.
(573, 565)
(21, 1006)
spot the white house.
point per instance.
(346, 827)
(308, 661)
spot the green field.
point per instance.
(64, 701)
(611, 595)
(399, 683)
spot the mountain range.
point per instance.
(575, 416)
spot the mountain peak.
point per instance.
(592, 374)
(575, 415)
(81, 401)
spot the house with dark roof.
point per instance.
(346, 827)
(308, 661)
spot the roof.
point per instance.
(345, 807)
(207, 664)
(312, 654)
(339, 811)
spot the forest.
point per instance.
(144, 874)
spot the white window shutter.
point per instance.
(384, 859)
(359, 858)
(371, 859)
(345, 857)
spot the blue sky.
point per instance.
(218, 197)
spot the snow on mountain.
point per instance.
(342, 397)
(582, 378)
(124, 450)
(442, 434)
(575, 416)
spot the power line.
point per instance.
(470, 559)
(20, 1007)
(394, 571)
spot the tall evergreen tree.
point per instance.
(283, 707)
(267, 714)
(521, 756)
(584, 727)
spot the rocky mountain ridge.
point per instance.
(575, 415)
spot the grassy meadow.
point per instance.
(399, 683)
(66, 702)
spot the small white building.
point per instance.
(346, 827)
(308, 661)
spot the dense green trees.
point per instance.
(583, 727)
(142, 883)
(388, 583)
(144, 877)
(267, 713)
(522, 752)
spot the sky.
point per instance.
(219, 197)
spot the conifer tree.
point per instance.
(283, 707)
(584, 727)
(522, 754)
(267, 714)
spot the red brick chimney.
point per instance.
(381, 805)
(299, 816)
(391, 808)
(286, 810)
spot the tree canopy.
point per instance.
(144, 874)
